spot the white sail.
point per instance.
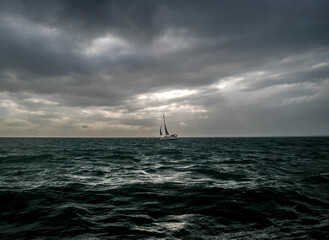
(165, 127)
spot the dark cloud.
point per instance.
(88, 18)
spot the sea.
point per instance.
(143, 188)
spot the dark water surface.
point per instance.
(193, 188)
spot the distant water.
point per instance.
(193, 188)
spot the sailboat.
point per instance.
(166, 136)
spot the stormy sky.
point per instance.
(215, 68)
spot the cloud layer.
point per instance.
(216, 68)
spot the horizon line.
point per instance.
(252, 136)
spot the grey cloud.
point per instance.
(305, 74)
(25, 49)
(89, 18)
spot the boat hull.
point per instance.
(168, 138)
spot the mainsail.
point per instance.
(164, 123)
(160, 130)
